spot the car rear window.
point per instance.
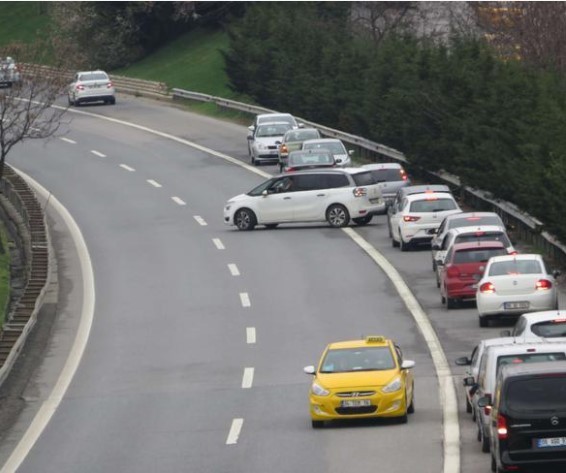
(334, 147)
(477, 256)
(357, 359)
(483, 236)
(93, 76)
(301, 135)
(386, 175)
(529, 358)
(537, 393)
(310, 158)
(363, 178)
(550, 328)
(515, 267)
(474, 221)
(432, 205)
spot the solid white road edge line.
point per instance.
(248, 378)
(234, 431)
(245, 299)
(250, 335)
(447, 391)
(234, 271)
(451, 441)
(218, 243)
(50, 405)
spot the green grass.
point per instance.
(22, 21)
(4, 274)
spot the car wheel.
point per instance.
(411, 408)
(76, 102)
(437, 280)
(389, 228)
(113, 101)
(451, 303)
(245, 219)
(402, 245)
(362, 220)
(317, 424)
(442, 299)
(474, 416)
(468, 406)
(484, 321)
(337, 216)
(394, 243)
(433, 265)
(254, 162)
(271, 226)
(484, 442)
(70, 101)
(403, 419)
(493, 463)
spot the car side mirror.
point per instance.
(338, 161)
(435, 246)
(505, 333)
(250, 137)
(463, 361)
(469, 381)
(439, 262)
(301, 125)
(407, 364)
(556, 273)
(484, 401)
(433, 231)
(278, 142)
(251, 128)
(309, 369)
(351, 152)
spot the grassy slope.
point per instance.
(22, 21)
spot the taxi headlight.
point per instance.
(318, 390)
(393, 386)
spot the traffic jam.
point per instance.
(515, 384)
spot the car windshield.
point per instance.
(93, 76)
(432, 205)
(537, 394)
(550, 328)
(335, 147)
(501, 268)
(310, 159)
(483, 236)
(387, 175)
(474, 221)
(300, 135)
(357, 359)
(264, 131)
(477, 255)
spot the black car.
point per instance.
(528, 418)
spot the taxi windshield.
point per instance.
(358, 359)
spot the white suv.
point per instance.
(333, 195)
(418, 215)
(91, 86)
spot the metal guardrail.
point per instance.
(527, 227)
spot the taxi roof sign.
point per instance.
(376, 339)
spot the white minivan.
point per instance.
(332, 195)
(492, 360)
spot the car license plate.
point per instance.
(551, 442)
(375, 201)
(356, 403)
(516, 305)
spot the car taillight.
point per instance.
(80, 87)
(502, 433)
(284, 149)
(452, 271)
(487, 288)
(514, 252)
(360, 191)
(410, 218)
(109, 85)
(543, 285)
(404, 176)
(289, 169)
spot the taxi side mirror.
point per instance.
(309, 369)
(407, 364)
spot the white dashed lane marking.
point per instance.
(248, 378)
(234, 271)
(68, 140)
(127, 168)
(250, 335)
(154, 183)
(235, 430)
(245, 299)
(218, 243)
(97, 153)
(201, 221)
(178, 201)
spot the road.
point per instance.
(195, 355)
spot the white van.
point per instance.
(494, 358)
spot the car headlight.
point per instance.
(393, 386)
(319, 390)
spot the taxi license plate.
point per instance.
(551, 442)
(356, 403)
(516, 305)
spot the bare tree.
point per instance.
(380, 18)
(26, 108)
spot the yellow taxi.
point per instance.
(361, 378)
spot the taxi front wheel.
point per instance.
(317, 424)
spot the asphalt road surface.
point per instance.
(200, 332)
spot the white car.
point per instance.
(513, 285)
(332, 195)
(550, 324)
(91, 86)
(391, 177)
(415, 218)
(467, 235)
(335, 146)
(263, 144)
(274, 117)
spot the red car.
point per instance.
(463, 268)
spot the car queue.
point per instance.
(474, 260)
